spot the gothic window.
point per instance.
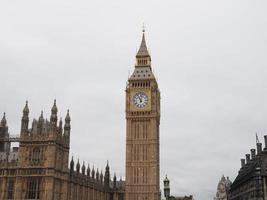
(33, 189)
(36, 155)
(10, 189)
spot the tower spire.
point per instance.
(143, 52)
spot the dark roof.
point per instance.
(143, 52)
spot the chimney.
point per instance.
(243, 162)
(259, 148)
(247, 158)
(265, 139)
(253, 153)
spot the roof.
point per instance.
(251, 169)
(143, 52)
(142, 73)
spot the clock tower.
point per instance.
(142, 130)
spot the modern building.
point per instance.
(223, 189)
(142, 130)
(251, 181)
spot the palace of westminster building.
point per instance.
(39, 168)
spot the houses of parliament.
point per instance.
(41, 168)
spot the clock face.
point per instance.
(140, 100)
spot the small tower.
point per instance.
(83, 169)
(166, 183)
(93, 173)
(53, 117)
(101, 177)
(107, 177)
(97, 175)
(4, 146)
(25, 120)
(114, 181)
(78, 167)
(88, 171)
(40, 123)
(67, 127)
(72, 165)
(3, 121)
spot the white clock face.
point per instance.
(140, 100)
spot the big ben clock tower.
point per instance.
(142, 130)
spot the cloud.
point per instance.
(208, 56)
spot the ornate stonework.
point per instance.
(142, 134)
(223, 189)
(38, 168)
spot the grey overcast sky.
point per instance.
(209, 57)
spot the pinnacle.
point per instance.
(26, 109)
(54, 108)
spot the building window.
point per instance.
(10, 189)
(36, 155)
(33, 188)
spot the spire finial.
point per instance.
(143, 28)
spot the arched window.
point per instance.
(33, 188)
(36, 155)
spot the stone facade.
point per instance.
(142, 132)
(250, 182)
(39, 168)
(223, 189)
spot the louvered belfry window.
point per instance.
(33, 188)
(10, 189)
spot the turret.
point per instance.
(253, 153)
(114, 181)
(25, 119)
(265, 141)
(259, 148)
(107, 176)
(78, 167)
(247, 158)
(72, 165)
(83, 169)
(166, 187)
(40, 123)
(67, 128)
(88, 171)
(243, 162)
(60, 126)
(93, 173)
(53, 117)
(3, 121)
(97, 175)
(101, 177)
